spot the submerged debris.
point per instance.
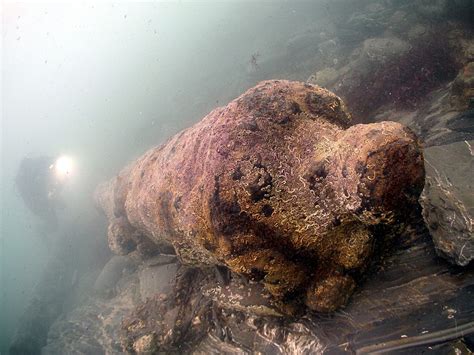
(277, 186)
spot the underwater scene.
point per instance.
(237, 177)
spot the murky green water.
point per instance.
(96, 85)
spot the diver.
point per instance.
(40, 181)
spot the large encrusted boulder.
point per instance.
(277, 186)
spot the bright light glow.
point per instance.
(63, 167)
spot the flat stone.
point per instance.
(156, 279)
(448, 200)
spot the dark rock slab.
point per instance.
(156, 279)
(448, 200)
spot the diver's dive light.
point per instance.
(63, 167)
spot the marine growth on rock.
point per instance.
(277, 186)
